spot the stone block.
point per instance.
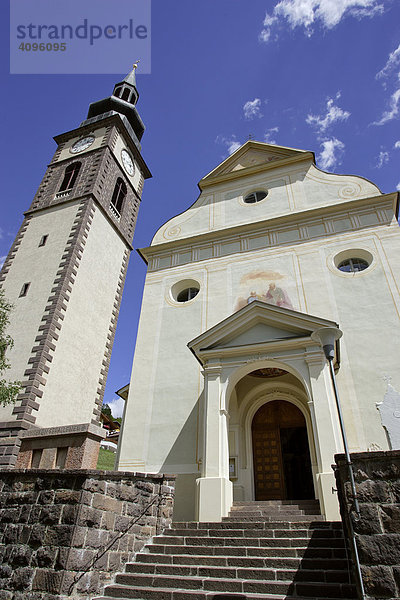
(122, 523)
(58, 535)
(46, 497)
(5, 571)
(89, 517)
(50, 515)
(36, 537)
(374, 491)
(34, 513)
(369, 523)
(20, 556)
(21, 578)
(381, 549)
(78, 560)
(11, 534)
(106, 503)
(107, 521)
(47, 580)
(66, 496)
(390, 514)
(44, 557)
(69, 513)
(95, 485)
(11, 515)
(379, 581)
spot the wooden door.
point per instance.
(269, 471)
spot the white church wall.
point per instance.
(37, 265)
(290, 189)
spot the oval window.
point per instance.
(185, 290)
(255, 197)
(187, 294)
(353, 265)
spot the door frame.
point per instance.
(269, 396)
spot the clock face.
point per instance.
(127, 162)
(82, 144)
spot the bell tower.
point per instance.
(65, 274)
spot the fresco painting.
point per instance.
(267, 286)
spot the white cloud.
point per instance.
(307, 13)
(333, 115)
(268, 137)
(252, 109)
(382, 159)
(117, 407)
(392, 62)
(331, 153)
(398, 186)
(231, 142)
(393, 110)
(2, 259)
(397, 144)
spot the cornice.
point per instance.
(283, 221)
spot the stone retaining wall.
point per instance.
(377, 476)
(53, 524)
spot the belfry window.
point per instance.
(125, 94)
(70, 175)
(118, 196)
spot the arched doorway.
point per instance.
(281, 455)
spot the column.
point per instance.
(326, 432)
(214, 490)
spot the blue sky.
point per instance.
(322, 75)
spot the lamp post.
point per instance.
(326, 337)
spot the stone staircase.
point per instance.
(261, 551)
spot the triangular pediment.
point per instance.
(258, 334)
(249, 157)
(257, 325)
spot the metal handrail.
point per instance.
(106, 548)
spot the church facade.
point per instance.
(229, 389)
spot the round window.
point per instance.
(353, 260)
(353, 265)
(187, 294)
(185, 290)
(255, 197)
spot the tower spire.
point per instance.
(123, 102)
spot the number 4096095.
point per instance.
(42, 47)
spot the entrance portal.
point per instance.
(281, 455)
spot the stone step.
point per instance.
(265, 512)
(282, 538)
(328, 563)
(276, 502)
(274, 550)
(168, 594)
(130, 584)
(260, 524)
(232, 572)
(254, 516)
(268, 531)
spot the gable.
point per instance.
(260, 333)
(250, 156)
(258, 324)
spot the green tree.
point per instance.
(106, 410)
(8, 389)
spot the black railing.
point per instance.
(104, 549)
